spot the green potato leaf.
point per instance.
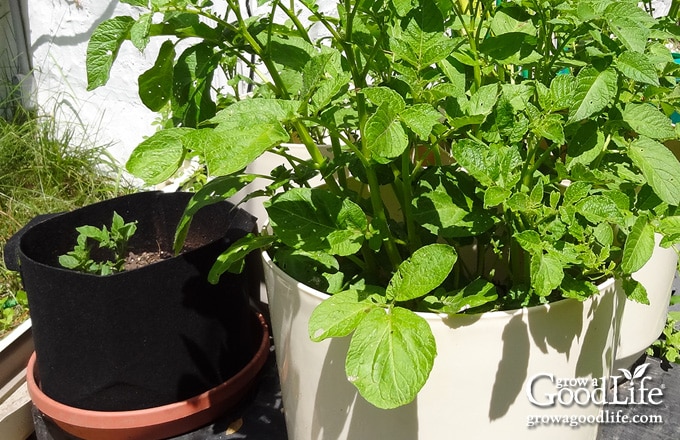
(598, 209)
(635, 291)
(577, 288)
(594, 90)
(586, 145)
(639, 246)
(424, 271)
(103, 48)
(155, 85)
(648, 121)
(423, 42)
(420, 118)
(340, 314)
(158, 157)
(627, 22)
(232, 260)
(475, 294)
(390, 356)
(385, 136)
(638, 67)
(139, 32)
(316, 220)
(546, 273)
(530, 241)
(385, 95)
(659, 167)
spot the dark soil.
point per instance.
(135, 261)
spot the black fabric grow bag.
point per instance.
(145, 337)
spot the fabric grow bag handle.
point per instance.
(11, 249)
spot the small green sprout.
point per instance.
(114, 240)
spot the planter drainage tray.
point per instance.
(261, 416)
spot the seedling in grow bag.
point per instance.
(114, 240)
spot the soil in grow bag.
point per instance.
(145, 337)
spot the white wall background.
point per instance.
(59, 31)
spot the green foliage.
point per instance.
(113, 240)
(43, 170)
(13, 307)
(668, 345)
(483, 157)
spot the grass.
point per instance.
(43, 170)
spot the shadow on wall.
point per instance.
(71, 40)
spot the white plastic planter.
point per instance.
(480, 385)
(642, 324)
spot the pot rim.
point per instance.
(432, 316)
(155, 416)
(23, 256)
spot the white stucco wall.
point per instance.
(660, 7)
(59, 32)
